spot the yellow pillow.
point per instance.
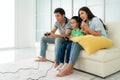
(93, 43)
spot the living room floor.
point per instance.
(18, 64)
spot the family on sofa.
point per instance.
(86, 23)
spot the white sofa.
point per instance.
(104, 62)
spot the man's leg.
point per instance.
(58, 42)
(43, 46)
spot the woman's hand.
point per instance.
(84, 27)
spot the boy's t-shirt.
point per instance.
(77, 33)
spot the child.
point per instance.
(66, 46)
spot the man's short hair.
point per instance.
(59, 10)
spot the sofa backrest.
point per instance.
(114, 33)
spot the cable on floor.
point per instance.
(41, 77)
(38, 67)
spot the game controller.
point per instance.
(67, 38)
(47, 34)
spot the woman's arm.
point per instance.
(87, 30)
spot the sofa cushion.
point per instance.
(92, 43)
(114, 32)
(51, 47)
(104, 55)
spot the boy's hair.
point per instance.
(59, 10)
(78, 20)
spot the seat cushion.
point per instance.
(103, 55)
(51, 47)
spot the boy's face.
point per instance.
(59, 17)
(74, 24)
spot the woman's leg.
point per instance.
(75, 49)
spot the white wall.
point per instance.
(112, 12)
(97, 7)
(25, 27)
(43, 19)
(26, 16)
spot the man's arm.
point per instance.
(67, 33)
(53, 30)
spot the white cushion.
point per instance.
(114, 33)
(51, 47)
(104, 55)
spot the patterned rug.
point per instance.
(30, 70)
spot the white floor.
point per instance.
(19, 64)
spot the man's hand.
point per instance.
(52, 35)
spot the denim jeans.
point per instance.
(75, 50)
(56, 41)
(65, 52)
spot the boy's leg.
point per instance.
(62, 52)
(68, 49)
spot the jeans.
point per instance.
(65, 52)
(75, 50)
(43, 44)
(58, 42)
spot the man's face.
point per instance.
(59, 17)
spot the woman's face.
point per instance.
(74, 23)
(83, 15)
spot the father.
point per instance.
(63, 25)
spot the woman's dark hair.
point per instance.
(89, 14)
(78, 20)
(103, 25)
(60, 10)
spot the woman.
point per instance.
(90, 25)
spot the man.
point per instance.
(63, 24)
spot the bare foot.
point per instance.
(66, 71)
(40, 59)
(63, 73)
(56, 64)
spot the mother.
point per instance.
(90, 25)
